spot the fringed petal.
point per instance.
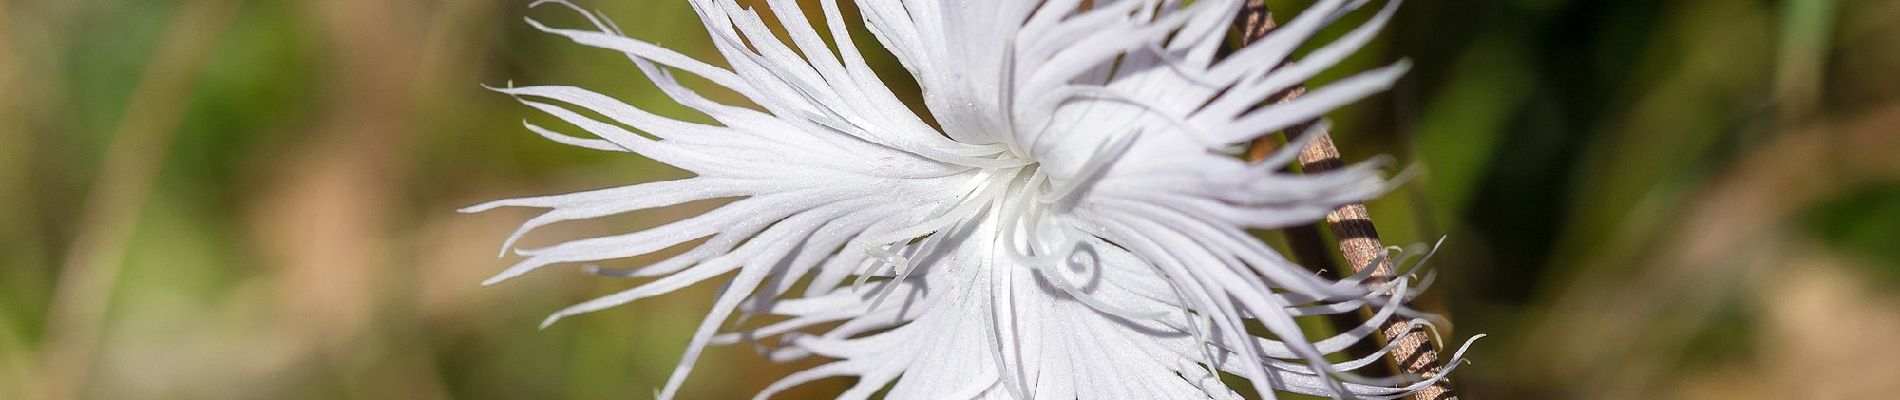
(1070, 228)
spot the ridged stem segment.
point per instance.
(1358, 238)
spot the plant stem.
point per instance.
(1358, 238)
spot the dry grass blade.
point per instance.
(118, 195)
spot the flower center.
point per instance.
(1022, 198)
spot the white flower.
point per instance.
(1070, 228)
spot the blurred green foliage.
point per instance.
(1860, 223)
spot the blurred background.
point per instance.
(255, 199)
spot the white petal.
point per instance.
(1071, 228)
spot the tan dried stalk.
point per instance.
(117, 198)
